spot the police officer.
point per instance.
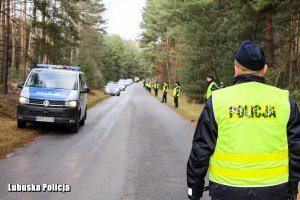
(211, 86)
(176, 93)
(150, 85)
(155, 87)
(248, 137)
(165, 92)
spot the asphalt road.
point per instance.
(131, 148)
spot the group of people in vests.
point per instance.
(149, 84)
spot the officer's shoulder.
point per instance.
(222, 90)
(276, 88)
(246, 85)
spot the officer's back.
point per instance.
(248, 135)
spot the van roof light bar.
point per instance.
(48, 66)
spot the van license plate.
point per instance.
(45, 119)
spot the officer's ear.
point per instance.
(265, 69)
(236, 71)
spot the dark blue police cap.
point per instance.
(210, 76)
(250, 55)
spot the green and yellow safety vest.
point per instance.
(208, 93)
(155, 85)
(176, 91)
(165, 88)
(252, 147)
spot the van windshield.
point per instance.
(53, 80)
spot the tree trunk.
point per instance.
(293, 34)
(3, 42)
(24, 41)
(269, 39)
(78, 41)
(297, 47)
(13, 35)
(44, 56)
(6, 49)
(32, 34)
(71, 56)
(0, 34)
(168, 62)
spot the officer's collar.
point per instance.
(248, 78)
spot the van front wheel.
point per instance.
(82, 122)
(75, 127)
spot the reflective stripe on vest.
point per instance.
(209, 92)
(252, 148)
(176, 91)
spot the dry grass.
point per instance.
(95, 97)
(8, 105)
(12, 137)
(191, 111)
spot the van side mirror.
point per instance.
(20, 85)
(85, 90)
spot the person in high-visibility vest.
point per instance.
(176, 93)
(150, 85)
(211, 86)
(247, 137)
(165, 92)
(155, 87)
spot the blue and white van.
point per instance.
(53, 94)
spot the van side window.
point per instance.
(82, 81)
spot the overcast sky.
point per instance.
(124, 17)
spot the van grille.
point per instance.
(47, 113)
(51, 102)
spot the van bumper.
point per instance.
(59, 115)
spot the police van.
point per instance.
(53, 94)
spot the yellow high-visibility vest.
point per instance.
(176, 91)
(208, 92)
(252, 146)
(165, 88)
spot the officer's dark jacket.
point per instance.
(204, 144)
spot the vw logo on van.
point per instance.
(46, 103)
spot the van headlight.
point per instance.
(71, 104)
(23, 100)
